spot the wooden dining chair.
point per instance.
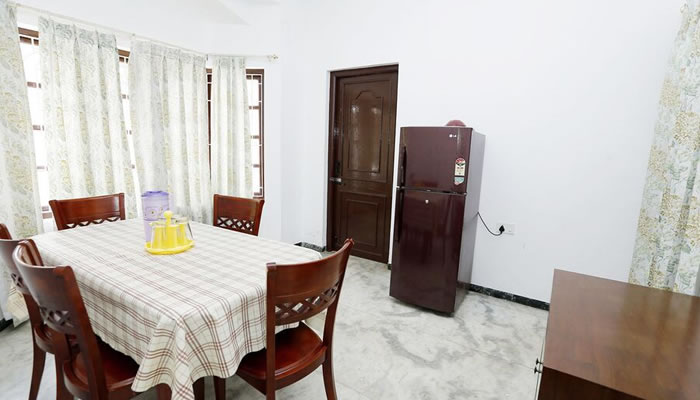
(90, 368)
(238, 214)
(84, 211)
(295, 293)
(42, 335)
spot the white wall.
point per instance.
(235, 27)
(565, 91)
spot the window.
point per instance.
(255, 78)
(29, 46)
(256, 82)
(124, 86)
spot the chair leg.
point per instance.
(328, 379)
(198, 388)
(37, 372)
(163, 392)
(219, 388)
(62, 392)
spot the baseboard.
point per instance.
(4, 323)
(506, 296)
(320, 249)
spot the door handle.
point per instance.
(402, 172)
(399, 214)
(336, 180)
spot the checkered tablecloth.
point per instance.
(183, 316)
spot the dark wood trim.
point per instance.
(261, 150)
(33, 37)
(335, 75)
(385, 69)
(209, 72)
(261, 88)
(311, 246)
(30, 33)
(4, 323)
(526, 301)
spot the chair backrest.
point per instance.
(7, 246)
(238, 214)
(61, 306)
(296, 292)
(72, 213)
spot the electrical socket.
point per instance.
(509, 229)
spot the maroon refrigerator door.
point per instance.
(427, 241)
(434, 158)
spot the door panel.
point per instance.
(365, 116)
(420, 165)
(426, 248)
(361, 159)
(364, 220)
(364, 129)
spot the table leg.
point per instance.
(220, 388)
(163, 391)
(198, 388)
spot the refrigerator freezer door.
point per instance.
(426, 248)
(434, 158)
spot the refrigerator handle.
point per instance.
(399, 213)
(402, 172)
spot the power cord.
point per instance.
(500, 230)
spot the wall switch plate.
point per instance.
(509, 229)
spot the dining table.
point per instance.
(181, 317)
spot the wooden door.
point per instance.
(361, 159)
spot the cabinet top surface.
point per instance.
(636, 340)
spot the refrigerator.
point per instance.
(437, 200)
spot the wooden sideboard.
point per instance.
(612, 340)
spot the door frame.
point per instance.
(334, 76)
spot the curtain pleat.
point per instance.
(20, 209)
(168, 102)
(83, 114)
(667, 249)
(231, 155)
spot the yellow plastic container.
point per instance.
(168, 237)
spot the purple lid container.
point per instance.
(154, 203)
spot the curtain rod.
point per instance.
(132, 35)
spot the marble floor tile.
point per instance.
(498, 327)
(384, 349)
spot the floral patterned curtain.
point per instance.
(83, 114)
(667, 249)
(20, 209)
(168, 102)
(231, 165)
